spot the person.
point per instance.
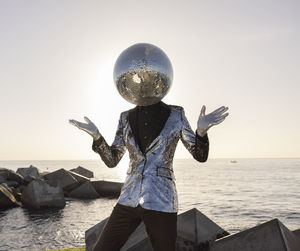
(150, 133)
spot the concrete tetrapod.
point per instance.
(269, 236)
(63, 178)
(10, 175)
(107, 188)
(83, 171)
(84, 191)
(40, 194)
(7, 199)
(194, 232)
(31, 170)
(297, 232)
(138, 237)
(80, 178)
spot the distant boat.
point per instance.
(233, 161)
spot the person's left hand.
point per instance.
(207, 121)
(88, 127)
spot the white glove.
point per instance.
(90, 127)
(207, 121)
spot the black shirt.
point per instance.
(147, 122)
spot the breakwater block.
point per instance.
(38, 194)
(92, 235)
(10, 175)
(269, 236)
(137, 241)
(297, 232)
(80, 178)
(107, 188)
(7, 199)
(194, 233)
(63, 178)
(29, 171)
(83, 171)
(84, 191)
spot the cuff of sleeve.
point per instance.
(97, 143)
(203, 139)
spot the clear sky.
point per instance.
(57, 58)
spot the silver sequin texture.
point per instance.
(143, 74)
(150, 179)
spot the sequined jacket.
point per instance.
(150, 180)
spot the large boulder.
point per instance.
(40, 194)
(83, 171)
(194, 233)
(29, 171)
(84, 191)
(107, 188)
(7, 199)
(63, 178)
(269, 236)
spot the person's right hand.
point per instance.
(88, 127)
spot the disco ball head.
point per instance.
(143, 74)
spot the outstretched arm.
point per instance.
(111, 155)
(197, 145)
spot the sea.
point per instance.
(236, 194)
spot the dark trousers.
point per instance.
(160, 226)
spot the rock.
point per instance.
(29, 178)
(13, 176)
(5, 185)
(2, 179)
(139, 240)
(84, 191)
(10, 175)
(269, 236)
(63, 179)
(92, 235)
(107, 188)
(194, 232)
(31, 171)
(80, 178)
(297, 233)
(3, 173)
(7, 199)
(42, 174)
(15, 191)
(139, 236)
(83, 171)
(11, 183)
(40, 194)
